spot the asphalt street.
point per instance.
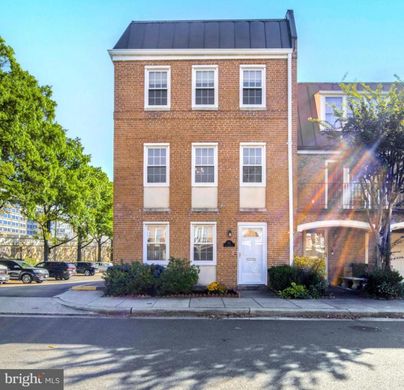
(50, 288)
(121, 353)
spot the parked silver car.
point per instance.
(4, 276)
(102, 267)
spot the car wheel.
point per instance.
(39, 281)
(87, 272)
(26, 279)
(66, 277)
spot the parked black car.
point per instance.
(19, 270)
(58, 269)
(86, 268)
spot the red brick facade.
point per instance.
(180, 127)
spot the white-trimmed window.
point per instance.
(156, 239)
(252, 86)
(157, 94)
(331, 101)
(252, 164)
(203, 243)
(205, 91)
(204, 164)
(156, 165)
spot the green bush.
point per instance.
(295, 291)
(178, 278)
(317, 264)
(281, 277)
(384, 284)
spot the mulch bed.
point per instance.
(195, 294)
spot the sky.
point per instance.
(64, 44)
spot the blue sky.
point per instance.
(64, 44)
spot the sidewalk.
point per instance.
(259, 306)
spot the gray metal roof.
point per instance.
(210, 34)
(309, 135)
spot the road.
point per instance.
(121, 353)
(50, 288)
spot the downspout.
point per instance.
(290, 161)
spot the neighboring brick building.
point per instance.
(331, 215)
(205, 145)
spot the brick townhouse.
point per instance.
(331, 213)
(212, 158)
(205, 145)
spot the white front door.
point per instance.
(252, 258)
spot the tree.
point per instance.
(24, 108)
(373, 132)
(103, 213)
(55, 185)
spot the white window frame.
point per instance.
(323, 104)
(213, 145)
(148, 146)
(160, 262)
(214, 237)
(147, 70)
(262, 106)
(264, 158)
(214, 106)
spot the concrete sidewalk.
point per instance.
(259, 306)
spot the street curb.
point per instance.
(234, 313)
(84, 288)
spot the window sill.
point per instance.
(156, 262)
(253, 108)
(156, 210)
(205, 210)
(157, 108)
(204, 263)
(253, 210)
(205, 108)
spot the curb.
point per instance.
(84, 288)
(234, 313)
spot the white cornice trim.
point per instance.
(195, 54)
(333, 223)
(318, 152)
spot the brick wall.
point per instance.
(180, 127)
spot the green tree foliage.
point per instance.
(42, 169)
(24, 109)
(374, 134)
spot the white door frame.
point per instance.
(262, 225)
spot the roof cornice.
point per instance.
(196, 54)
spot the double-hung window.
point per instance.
(156, 242)
(252, 164)
(204, 165)
(157, 88)
(252, 86)
(156, 165)
(205, 94)
(203, 243)
(332, 103)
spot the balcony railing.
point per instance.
(338, 195)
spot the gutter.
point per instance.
(290, 161)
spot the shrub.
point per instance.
(295, 291)
(178, 278)
(217, 288)
(281, 277)
(317, 264)
(384, 284)
(135, 278)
